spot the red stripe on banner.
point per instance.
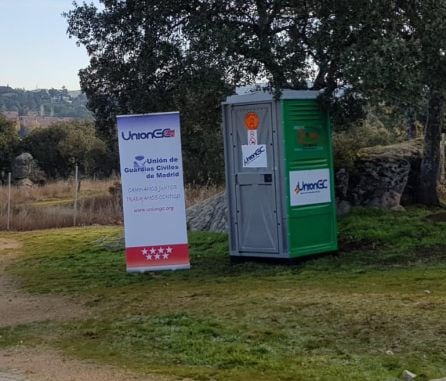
(153, 256)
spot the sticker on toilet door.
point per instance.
(254, 156)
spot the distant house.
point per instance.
(12, 116)
(30, 123)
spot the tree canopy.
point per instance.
(60, 147)
(399, 56)
(9, 141)
(152, 55)
(141, 62)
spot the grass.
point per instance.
(368, 313)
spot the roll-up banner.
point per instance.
(153, 192)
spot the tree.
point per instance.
(61, 146)
(9, 142)
(142, 53)
(80, 146)
(398, 55)
(259, 39)
(139, 63)
(427, 20)
(375, 51)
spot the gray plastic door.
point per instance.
(257, 229)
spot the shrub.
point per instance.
(9, 141)
(367, 133)
(61, 146)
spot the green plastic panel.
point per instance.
(308, 148)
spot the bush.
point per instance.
(367, 133)
(61, 146)
(9, 141)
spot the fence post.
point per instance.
(8, 223)
(75, 194)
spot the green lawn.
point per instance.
(375, 309)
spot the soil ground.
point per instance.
(17, 307)
(43, 364)
(48, 365)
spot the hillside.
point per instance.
(42, 102)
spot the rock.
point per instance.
(210, 215)
(22, 166)
(379, 182)
(408, 376)
(412, 152)
(439, 379)
(382, 176)
(25, 171)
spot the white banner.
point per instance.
(153, 191)
(310, 187)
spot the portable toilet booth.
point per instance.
(279, 175)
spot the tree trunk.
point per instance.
(429, 192)
(411, 123)
(443, 159)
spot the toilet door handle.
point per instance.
(268, 178)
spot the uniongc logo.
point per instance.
(308, 187)
(254, 155)
(155, 134)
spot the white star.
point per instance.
(157, 256)
(149, 257)
(169, 250)
(152, 250)
(161, 250)
(144, 251)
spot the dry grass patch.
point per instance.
(52, 205)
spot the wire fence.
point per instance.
(66, 203)
(73, 202)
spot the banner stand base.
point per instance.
(157, 268)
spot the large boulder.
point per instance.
(412, 152)
(25, 171)
(382, 177)
(22, 166)
(209, 215)
(379, 182)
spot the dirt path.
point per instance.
(44, 364)
(49, 365)
(17, 307)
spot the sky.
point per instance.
(35, 51)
